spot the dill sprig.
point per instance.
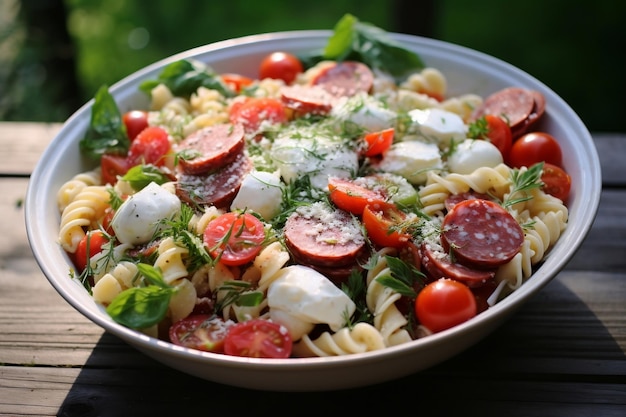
(523, 182)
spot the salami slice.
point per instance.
(322, 236)
(481, 234)
(218, 188)
(307, 99)
(211, 148)
(437, 264)
(519, 106)
(345, 79)
(454, 199)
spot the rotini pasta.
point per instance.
(361, 338)
(84, 211)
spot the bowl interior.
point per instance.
(467, 71)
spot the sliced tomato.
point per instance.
(255, 110)
(112, 166)
(379, 142)
(201, 331)
(149, 147)
(258, 338)
(90, 245)
(535, 147)
(351, 197)
(443, 304)
(135, 122)
(234, 238)
(281, 66)
(556, 181)
(383, 223)
(236, 82)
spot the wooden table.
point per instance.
(562, 354)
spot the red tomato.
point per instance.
(443, 304)
(253, 111)
(111, 166)
(281, 66)
(234, 238)
(202, 332)
(535, 147)
(149, 147)
(499, 134)
(135, 121)
(236, 81)
(258, 338)
(379, 221)
(556, 181)
(379, 142)
(351, 197)
(89, 245)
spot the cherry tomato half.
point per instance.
(255, 110)
(258, 338)
(556, 181)
(535, 147)
(149, 147)
(112, 166)
(351, 197)
(379, 142)
(443, 304)
(281, 66)
(201, 331)
(236, 81)
(135, 121)
(88, 246)
(379, 221)
(234, 238)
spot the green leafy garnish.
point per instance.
(356, 289)
(523, 182)
(106, 132)
(402, 277)
(142, 307)
(184, 77)
(238, 293)
(140, 176)
(364, 42)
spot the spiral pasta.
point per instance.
(170, 260)
(84, 211)
(363, 337)
(70, 189)
(111, 284)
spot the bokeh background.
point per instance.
(54, 54)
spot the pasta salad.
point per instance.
(329, 206)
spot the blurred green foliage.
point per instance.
(569, 45)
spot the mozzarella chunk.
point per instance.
(261, 192)
(411, 160)
(471, 154)
(137, 219)
(364, 111)
(439, 125)
(309, 296)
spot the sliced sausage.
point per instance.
(307, 99)
(217, 188)
(211, 148)
(453, 199)
(345, 79)
(481, 234)
(519, 106)
(322, 236)
(437, 264)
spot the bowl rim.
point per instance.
(486, 319)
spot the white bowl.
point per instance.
(466, 71)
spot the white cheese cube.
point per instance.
(471, 154)
(412, 160)
(261, 192)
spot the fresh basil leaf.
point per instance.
(250, 299)
(106, 132)
(152, 274)
(184, 77)
(140, 176)
(140, 307)
(364, 42)
(396, 284)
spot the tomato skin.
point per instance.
(234, 238)
(443, 304)
(255, 110)
(499, 134)
(556, 181)
(200, 331)
(112, 166)
(379, 219)
(379, 142)
(351, 197)
(89, 245)
(236, 81)
(535, 147)
(135, 121)
(258, 338)
(281, 66)
(149, 147)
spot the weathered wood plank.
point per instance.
(25, 143)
